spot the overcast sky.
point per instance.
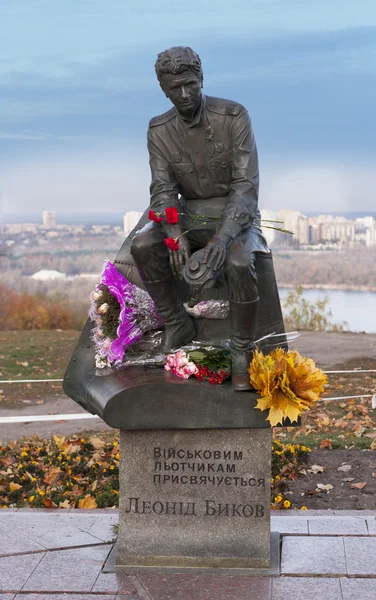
(78, 89)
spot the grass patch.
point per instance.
(38, 354)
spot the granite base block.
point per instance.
(195, 499)
(111, 565)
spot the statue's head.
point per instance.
(179, 73)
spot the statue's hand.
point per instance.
(180, 257)
(215, 251)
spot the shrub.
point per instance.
(24, 311)
(300, 313)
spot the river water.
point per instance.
(357, 308)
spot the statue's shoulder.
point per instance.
(167, 116)
(223, 106)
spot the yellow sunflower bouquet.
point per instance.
(287, 383)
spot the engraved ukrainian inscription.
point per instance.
(176, 467)
(208, 508)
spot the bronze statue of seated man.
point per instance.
(203, 161)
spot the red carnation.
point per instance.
(155, 217)
(172, 216)
(172, 244)
(213, 377)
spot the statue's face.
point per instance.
(184, 91)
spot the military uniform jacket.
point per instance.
(212, 156)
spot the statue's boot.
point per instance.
(243, 319)
(178, 325)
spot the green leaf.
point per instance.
(196, 355)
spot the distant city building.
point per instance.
(268, 220)
(131, 219)
(297, 223)
(99, 229)
(19, 228)
(325, 231)
(338, 229)
(47, 275)
(49, 219)
(322, 232)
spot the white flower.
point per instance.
(103, 308)
(101, 362)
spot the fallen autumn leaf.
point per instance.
(358, 486)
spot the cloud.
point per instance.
(5, 135)
(305, 92)
(46, 33)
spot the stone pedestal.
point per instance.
(195, 498)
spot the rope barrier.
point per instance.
(354, 371)
(31, 380)
(32, 419)
(347, 397)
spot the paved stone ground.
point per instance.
(58, 555)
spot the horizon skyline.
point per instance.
(37, 215)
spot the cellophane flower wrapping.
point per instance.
(138, 314)
(209, 309)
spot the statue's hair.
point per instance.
(176, 60)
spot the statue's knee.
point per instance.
(140, 245)
(240, 262)
(237, 259)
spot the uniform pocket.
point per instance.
(222, 161)
(183, 169)
(221, 166)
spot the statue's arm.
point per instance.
(242, 204)
(163, 187)
(163, 194)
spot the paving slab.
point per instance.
(103, 528)
(306, 588)
(13, 541)
(53, 530)
(361, 556)
(358, 589)
(338, 526)
(289, 526)
(313, 556)
(304, 514)
(371, 524)
(81, 522)
(118, 583)
(366, 513)
(16, 570)
(73, 570)
(206, 587)
(7, 596)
